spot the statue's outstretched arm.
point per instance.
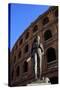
(42, 48)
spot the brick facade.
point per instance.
(46, 26)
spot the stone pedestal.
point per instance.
(38, 82)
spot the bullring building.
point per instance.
(20, 63)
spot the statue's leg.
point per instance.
(38, 66)
(40, 57)
(35, 65)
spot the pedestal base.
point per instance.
(38, 82)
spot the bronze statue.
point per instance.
(37, 53)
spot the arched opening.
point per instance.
(51, 54)
(27, 35)
(12, 74)
(16, 46)
(56, 13)
(45, 20)
(25, 67)
(54, 80)
(47, 35)
(35, 28)
(14, 59)
(19, 54)
(17, 71)
(21, 41)
(26, 48)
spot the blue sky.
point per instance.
(21, 16)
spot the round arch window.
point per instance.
(17, 71)
(51, 54)
(45, 20)
(35, 28)
(47, 35)
(25, 66)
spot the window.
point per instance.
(19, 54)
(26, 49)
(27, 35)
(20, 41)
(12, 74)
(51, 54)
(16, 46)
(45, 20)
(25, 67)
(14, 59)
(56, 13)
(47, 35)
(35, 28)
(54, 80)
(17, 71)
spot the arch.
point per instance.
(47, 34)
(56, 13)
(19, 54)
(27, 35)
(51, 54)
(17, 71)
(26, 48)
(45, 20)
(21, 41)
(54, 80)
(25, 66)
(14, 58)
(12, 74)
(35, 28)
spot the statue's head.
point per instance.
(37, 39)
